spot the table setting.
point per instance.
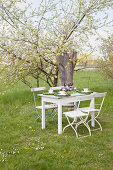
(68, 90)
(62, 96)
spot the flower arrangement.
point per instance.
(68, 87)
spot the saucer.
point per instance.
(76, 94)
(85, 91)
(60, 93)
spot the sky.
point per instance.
(37, 2)
(101, 32)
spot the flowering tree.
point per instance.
(106, 61)
(34, 41)
(85, 59)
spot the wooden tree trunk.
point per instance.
(37, 82)
(56, 78)
(62, 62)
(66, 64)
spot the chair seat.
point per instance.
(51, 106)
(68, 104)
(88, 109)
(74, 114)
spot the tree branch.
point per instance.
(78, 22)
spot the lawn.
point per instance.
(25, 146)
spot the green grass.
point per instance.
(25, 146)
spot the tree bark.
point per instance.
(66, 65)
(62, 62)
(37, 82)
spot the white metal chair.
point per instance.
(79, 117)
(99, 99)
(47, 107)
(59, 88)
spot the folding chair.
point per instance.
(78, 117)
(56, 88)
(47, 107)
(99, 99)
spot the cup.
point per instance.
(50, 91)
(85, 89)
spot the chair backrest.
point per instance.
(36, 90)
(84, 98)
(99, 104)
(56, 88)
(96, 94)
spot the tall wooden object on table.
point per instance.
(79, 117)
(66, 64)
(50, 107)
(99, 100)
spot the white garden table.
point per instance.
(60, 101)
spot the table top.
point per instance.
(63, 96)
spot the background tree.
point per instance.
(66, 65)
(86, 59)
(106, 61)
(36, 37)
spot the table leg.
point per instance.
(59, 118)
(43, 114)
(93, 113)
(75, 107)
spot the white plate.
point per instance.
(62, 94)
(77, 94)
(85, 91)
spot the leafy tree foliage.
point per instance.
(86, 59)
(106, 62)
(32, 39)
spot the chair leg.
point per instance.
(50, 114)
(82, 121)
(86, 125)
(70, 124)
(97, 123)
(37, 117)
